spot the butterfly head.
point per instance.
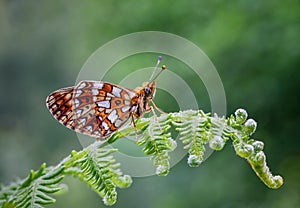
(149, 89)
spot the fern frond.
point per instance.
(34, 190)
(193, 128)
(98, 169)
(157, 142)
(239, 129)
(7, 193)
(197, 129)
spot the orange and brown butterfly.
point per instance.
(97, 108)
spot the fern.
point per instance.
(98, 169)
(158, 143)
(34, 190)
(193, 131)
(96, 166)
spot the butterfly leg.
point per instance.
(134, 125)
(156, 118)
(156, 108)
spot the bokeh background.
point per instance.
(253, 44)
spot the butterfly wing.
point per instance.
(93, 108)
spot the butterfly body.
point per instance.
(144, 95)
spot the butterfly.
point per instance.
(97, 108)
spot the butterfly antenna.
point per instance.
(155, 68)
(162, 68)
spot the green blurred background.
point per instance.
(253, 44)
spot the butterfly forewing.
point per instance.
(94, 108)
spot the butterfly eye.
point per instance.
(147, 91)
